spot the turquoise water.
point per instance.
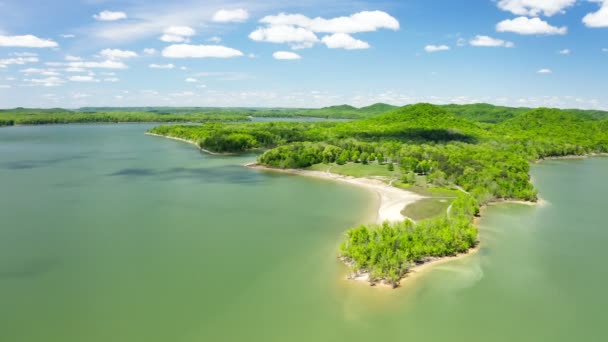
(111, 235)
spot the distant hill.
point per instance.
(421, 121)
(487, 113)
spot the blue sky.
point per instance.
(305, 53)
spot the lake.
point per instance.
(111, 235)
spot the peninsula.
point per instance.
(422, 148)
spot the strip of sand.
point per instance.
(392, 199)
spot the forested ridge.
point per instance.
(23, 116)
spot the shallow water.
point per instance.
(111, 235)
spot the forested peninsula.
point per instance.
(467, 150)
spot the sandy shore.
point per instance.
(392, 200)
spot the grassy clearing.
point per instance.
(358, 170)
(427, 191)
(427, 208)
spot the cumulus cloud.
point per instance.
(185, 31)
(200, 51)
(162, 66)
(46, 82)
(564, 52)
(43, 72)
(191, 80)
(83, 79)
(117, 54)
(110, 16)
(28, 41)
(544, 71)
(486, 41)
(215, 39)
(177, 34)
(79, 65)
(67, 36)
(226, 16)
(18, 61)
(111, 79)
(71, 58)
(599, 18)
(286, 55)
(436, 48)
(535, 7)
(527, 26)
(283, 34)
(366, 21)
(149, 51)
(344, 41)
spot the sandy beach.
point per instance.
(392, 200)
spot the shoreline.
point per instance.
(385, 210)
(391, 202)
(189, 142)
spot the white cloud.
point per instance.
(150, 51)
(461, 42)
(5, 86)
(182, 94)
(110, 16)
(83, 79)
(524, 25)
(71, 58)
(544, 71)
(436, 48)
(67, 36)
(169, 38)
(99, 65)
(226, 16)
(599, 18)
(17, 61)
(46, 82)
(564, 52)
(200, 51)
(111, 79)
(43, 72)
(28, 41)
(117, 54)
(344, 41)
(366, 21)
(161, 66)
(283, 34)
(184, 31)
(191, 80)
(286, 55)
(604, 50)
(78, 66)
(486, 41)
(75, 69)
(177, 34)
(24, 54)
(215, 39)
(535, 7)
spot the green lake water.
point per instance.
(110, 235)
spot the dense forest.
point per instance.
(483, 114)
(387, 251)
(333, 112)
(23, 116)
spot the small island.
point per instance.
(421, 148)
